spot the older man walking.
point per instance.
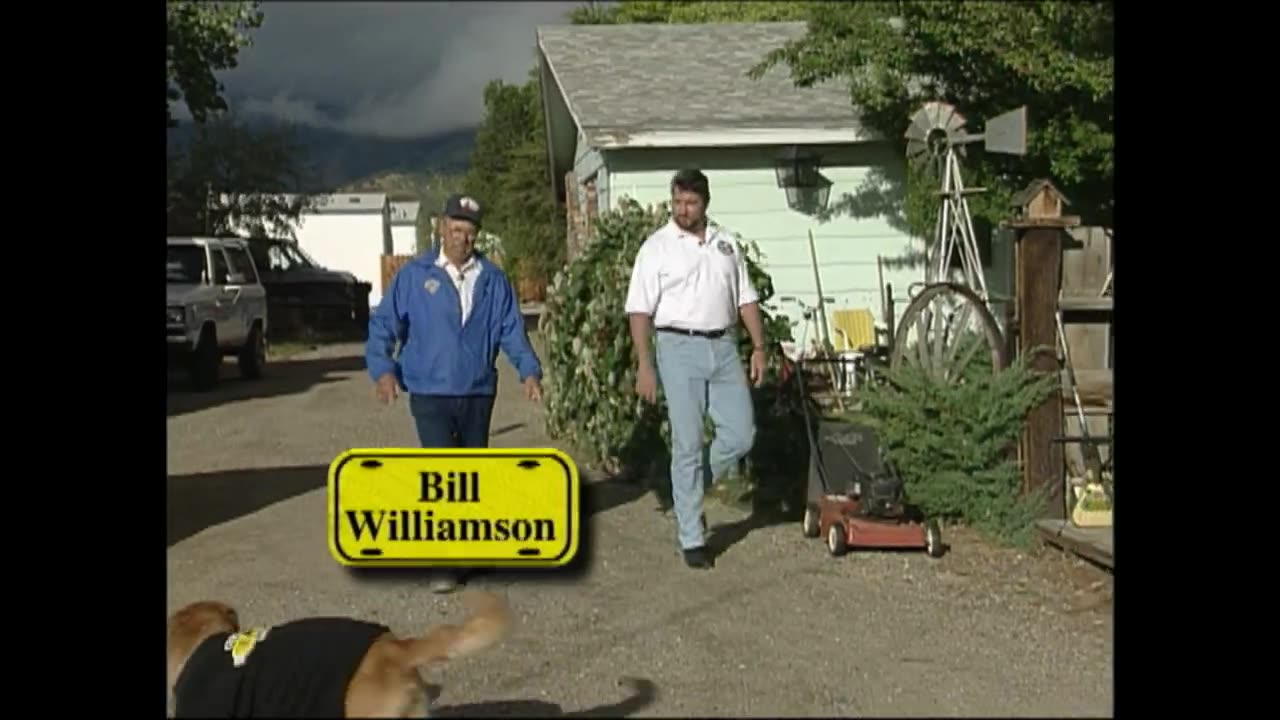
(451, 310)
(690, 284)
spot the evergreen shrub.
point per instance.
(954, 443)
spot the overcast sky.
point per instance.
(396, 69)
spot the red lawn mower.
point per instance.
(855, 497)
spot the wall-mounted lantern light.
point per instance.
(798, 172)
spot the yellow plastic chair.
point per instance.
(852, 329)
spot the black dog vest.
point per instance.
(299, 669)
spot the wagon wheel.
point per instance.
(943, 332)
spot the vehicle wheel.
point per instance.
(253, 356)
(836, 541)
(933, 539)
(206, 361)
(810, 522)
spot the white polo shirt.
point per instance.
(464, 280)
(688, 283)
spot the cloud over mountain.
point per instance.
(392, 70)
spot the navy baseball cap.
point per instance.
(462, 207)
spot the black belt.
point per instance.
(709, 334)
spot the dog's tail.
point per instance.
(488, 623)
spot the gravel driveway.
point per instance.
(777, 628)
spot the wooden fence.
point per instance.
(391, 265)
(1086, 263)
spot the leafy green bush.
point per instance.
(491, 246)
(591, 371)
(952, 443)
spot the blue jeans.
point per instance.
(700, 377)
(452, 422)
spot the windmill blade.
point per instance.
(918, 151)
(936, 116)
(937, 112)
(923, 121)
(923, 146)
(944, 116)
(921, 124)
(953, 122)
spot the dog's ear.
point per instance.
(192, 624)
(203, 616)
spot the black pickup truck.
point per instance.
(306, 300)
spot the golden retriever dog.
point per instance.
(315, 667)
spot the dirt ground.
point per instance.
(777, 628)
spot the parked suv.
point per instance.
(217, 307)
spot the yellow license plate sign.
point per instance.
(454, 507)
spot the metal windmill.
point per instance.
(936, 142)
(946, 321)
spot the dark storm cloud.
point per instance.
(388, 69)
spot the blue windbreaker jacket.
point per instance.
(439, 354)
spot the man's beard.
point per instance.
(691, 225)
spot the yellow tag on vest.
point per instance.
(242, 643)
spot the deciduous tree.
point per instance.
(203, 38)
(1058, 58)
(509, 173)
(232, 176)
(660, 11)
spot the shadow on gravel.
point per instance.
(196, 502)
(499, 431)
(597, 497)
(724, 536)
(643, 694)
(282, 377)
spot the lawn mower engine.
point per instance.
(879, 495)
(851, 461)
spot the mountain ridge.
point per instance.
(339, 160)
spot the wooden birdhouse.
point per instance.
(1040, 200)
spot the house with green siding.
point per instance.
(628, 105)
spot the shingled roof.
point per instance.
(619, 81)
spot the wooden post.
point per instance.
(890, 317)
(1040, 227)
